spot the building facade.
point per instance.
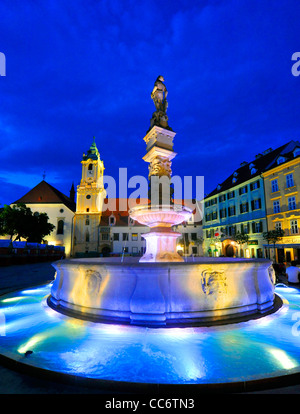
(239, 209)
(44, 198)
(282, 186)
(239, 206)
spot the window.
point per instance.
(294, 227)
(134, 236)
(254, 185)
(230, 195)
(194, 236)
(278, 225)
(214, 215)
(87, 210)
(231, 230)
(244, 208)
(290, 180)
(245, 228)
(207, 217)
(87, 222)
(125, 236)
(60, 227)
(231, 211)
(213, 201)
(296, 152)
(222, 198)
(243, 190)
(280, 160)
(258, 227)
(112, 220)
(87, 237)
(88, 197)
(116, 236)
(134, 250)
(292, 203)
(274, 184)
(105, 236)
(194, 250)
(276, 206)
(90, 167)
(223, 213)
(256, 204)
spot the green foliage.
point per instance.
(19, 222)
(241, 238)
(273, 236)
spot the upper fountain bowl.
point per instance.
(161, 215)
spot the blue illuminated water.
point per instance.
(243, 351)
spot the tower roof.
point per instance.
(44, 193)
(92, 153)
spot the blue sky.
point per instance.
(86, 68)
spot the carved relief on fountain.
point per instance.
(272, 274)
(213, 282)
(92, 282)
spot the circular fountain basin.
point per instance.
(163, 294)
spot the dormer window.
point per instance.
(253, 170)
(234, 180)
(296, 152)
(112, 220)
(251, 166)
(235, 174)
(280, 160)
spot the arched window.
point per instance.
(60, 227)
(90, 167)
(87, 237)
(87, 222)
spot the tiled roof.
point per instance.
(121, 217)
(261, 163)
(44, 193)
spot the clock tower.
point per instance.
(90, 196)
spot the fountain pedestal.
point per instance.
(161, 240)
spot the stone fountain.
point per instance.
(161, 289)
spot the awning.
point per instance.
(283, 246)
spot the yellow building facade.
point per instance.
(282, 186)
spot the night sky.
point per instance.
(78, 69)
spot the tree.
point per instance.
(241, 238)
(273, 236)
(39, 227)
(19, 222)
(15, 220)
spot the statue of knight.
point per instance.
(159, 97)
